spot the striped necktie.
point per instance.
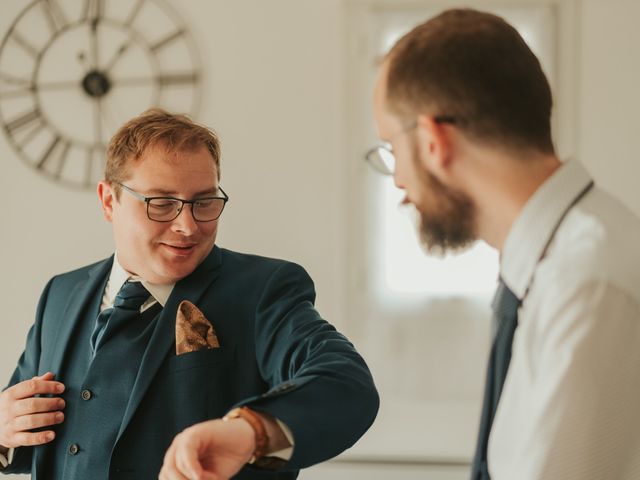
(126, 307)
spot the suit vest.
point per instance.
(96, 395)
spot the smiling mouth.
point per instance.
(179, 248)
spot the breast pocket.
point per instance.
(206, 357)
(196, 386)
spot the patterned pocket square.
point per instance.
(193, 330)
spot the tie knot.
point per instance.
(505, 302)
(131, 296)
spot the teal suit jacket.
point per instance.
(277, 355)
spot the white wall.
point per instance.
(609, 120)
(275, 95)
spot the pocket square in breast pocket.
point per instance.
(193, 330)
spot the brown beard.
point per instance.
(448, 224)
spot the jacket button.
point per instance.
(86, 394)
(74, 449)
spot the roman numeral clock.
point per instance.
(73, 71)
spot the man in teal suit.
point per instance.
(102, 388)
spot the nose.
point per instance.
(184, 223)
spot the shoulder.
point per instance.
(265, 276)
(78, 275)
(596, 243)
(257, 263)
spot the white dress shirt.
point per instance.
(570, 407)
(118, 276)
(159, 294)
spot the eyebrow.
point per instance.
(173, 193)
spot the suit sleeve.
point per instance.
(320, 387)
(28, 368)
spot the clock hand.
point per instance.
(108, 116)
(97, 120)
(94, 43)
(59, 85)
(116, 56)
(164, 79)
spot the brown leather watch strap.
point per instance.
(258, 428)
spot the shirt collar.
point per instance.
(536, 224)
(119, 276)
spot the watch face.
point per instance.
(73, 71)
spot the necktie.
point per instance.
(505, 312)
(126, 308)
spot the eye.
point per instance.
(204, 202)
(162, 204)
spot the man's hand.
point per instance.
(213, 450)
(21, 411)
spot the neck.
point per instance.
(502, 188)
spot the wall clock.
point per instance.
(73, 71)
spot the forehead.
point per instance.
(160, 167)
(386, 121)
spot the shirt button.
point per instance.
(74, 449)
(86, 394)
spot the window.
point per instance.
(401, 271)
(423, 322)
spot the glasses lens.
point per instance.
(382, 160)
(208, 209)
(163, 209)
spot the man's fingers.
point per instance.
(29, 406)
(35, 386)
(168, 464)
(169, 454)
(28, 439)
(186, 458)
(39, 420)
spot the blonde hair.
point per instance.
(155, 127)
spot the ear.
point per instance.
(434, 145)
(107, 197)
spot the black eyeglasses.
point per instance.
(167, 209)
(381, 157)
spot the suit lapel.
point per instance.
(81, 294)
(191, 288)
(79, 297)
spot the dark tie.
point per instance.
(505, 312)
(126, 308)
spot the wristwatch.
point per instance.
(259, 458)
(258, 428)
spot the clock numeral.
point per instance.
(22, 42)
(47, 153)
(31, 123)
(14, 80)
(93, 10)
(56, 18)
(166, 40)
(56, 145)
(12, 86)
(32, 118)
(178, 78)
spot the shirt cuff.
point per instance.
(5, 461)
(285, 453)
